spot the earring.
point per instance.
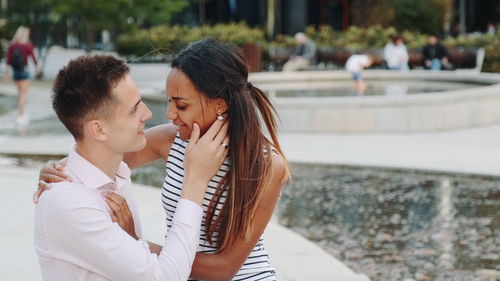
(219, 116)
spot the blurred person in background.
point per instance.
(304, 56)
(19, 51)
(355, 65)
(395, 54)
(435, 55)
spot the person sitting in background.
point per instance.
(356, 64)
(395, 54)
(435, 55)
(304, 56)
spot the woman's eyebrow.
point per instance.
(178, 98)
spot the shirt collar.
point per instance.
(90, 175)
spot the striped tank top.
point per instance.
(257, 265)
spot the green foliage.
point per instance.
(154, 12)
(492, 58)
(283, 41)
(417, 15)
(471, 41)
(170, 39)
(356, 38)
(96, 13)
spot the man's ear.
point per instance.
(95, 129)
(220, 106)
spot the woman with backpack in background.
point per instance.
(20, 49)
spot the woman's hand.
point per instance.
(51, 172)
(120, 213)
(203, 158)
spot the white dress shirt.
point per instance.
(75, 238)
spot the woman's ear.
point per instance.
(220, 106)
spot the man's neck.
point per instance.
(100, 156)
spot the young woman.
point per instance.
(20, 49)
(208, 80)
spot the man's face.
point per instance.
(187, 105)
(125, 127)
(433, 40)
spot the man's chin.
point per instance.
(141, 145)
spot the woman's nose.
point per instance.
(171, 114)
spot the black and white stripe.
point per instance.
(257, 266)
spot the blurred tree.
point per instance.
(35, 14)
(446, 14)
(93, 15)
(421, 15)
(366, 13)
(148, 13)
(96, 15)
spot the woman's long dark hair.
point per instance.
(219, 70)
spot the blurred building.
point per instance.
(291, 16)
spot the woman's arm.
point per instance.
(159, 139)
(224, 265)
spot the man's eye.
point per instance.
(181, 107)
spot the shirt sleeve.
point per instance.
(82, 233)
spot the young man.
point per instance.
(75, 234)
(435, 55)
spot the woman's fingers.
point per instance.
(120, 204)
(54, 172)
(225, 144)
(121, 213)
(53, 177)
(113, 217)
(222, 133)
(117, 210)
(214, 129)
(36, 196)
(42, 186)
(60, 165)
(195, 134)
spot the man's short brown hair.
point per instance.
(83, 90)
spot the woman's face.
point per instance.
(186, 105)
